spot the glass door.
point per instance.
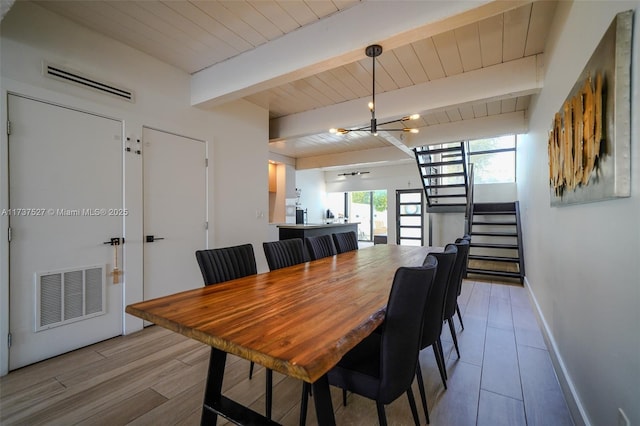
(409, 217)
(367, 208)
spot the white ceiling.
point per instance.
(468, 67)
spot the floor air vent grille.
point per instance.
(67, 75)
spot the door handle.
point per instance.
(151, 238)
(114, 241)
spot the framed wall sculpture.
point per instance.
(590, 138)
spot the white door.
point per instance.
(65, 199)
(174, 211)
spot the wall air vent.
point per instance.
(70, 76)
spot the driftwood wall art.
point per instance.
(589, 140)
(574, 140)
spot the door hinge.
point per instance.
(8, 127)
(9, 341)
(206, 225)
(9, 234)
(206, 162)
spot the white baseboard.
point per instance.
(576, 408)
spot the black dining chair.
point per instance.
(464, 275)
(382, 366)
(345, 241)
(283, 253)
(434, 315)
(226, 264)
(451, 300)
(320, 246)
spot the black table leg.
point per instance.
(213, 390)
(322, 400)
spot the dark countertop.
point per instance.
(314, 225)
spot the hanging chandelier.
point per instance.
(373, 52)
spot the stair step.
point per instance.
(495, 234)
(446, 208)
(493, 258)
(446, 195)
(453, 185)
(441, 163)
(440, 150)
(439, 175)
(496, 246)
(494, 223)
(494, 273)
(487, 207)
(491, 213)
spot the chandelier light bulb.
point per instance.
(370, 106)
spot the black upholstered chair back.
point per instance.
(227, 263)
(466, 237)
(283, 253)
(402, 329)
(434, 314)
(456, 281)
(345, 241)
(320, 246)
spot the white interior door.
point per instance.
(174, 212)
(65, 198)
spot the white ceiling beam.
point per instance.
(380, 156)
(478, 128)
(335, 41)
(507, 80)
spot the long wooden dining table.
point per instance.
(298, 321)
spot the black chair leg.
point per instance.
(382, 417)
(440, 362)
(304, 402)
(444, 363)
(452, 328)
(459, 315)
(344, 397)
(268, 393)
(251, 370)
(414, 409)
(423, 394)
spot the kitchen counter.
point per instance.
(290, 230)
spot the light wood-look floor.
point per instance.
(156, 377)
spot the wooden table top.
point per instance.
(299, 320)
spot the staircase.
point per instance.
(496, 241)
(444, 176)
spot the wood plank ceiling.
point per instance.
(195, 35)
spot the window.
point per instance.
(494, 159)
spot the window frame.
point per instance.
(470, 155)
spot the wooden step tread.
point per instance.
(497, 246)
(494, 213)
(495, 234)
(495, 273)
(493, 258)
(494, 223)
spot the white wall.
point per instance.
(238, 184)
(313, 195)
(582, 260)
(389, 178)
